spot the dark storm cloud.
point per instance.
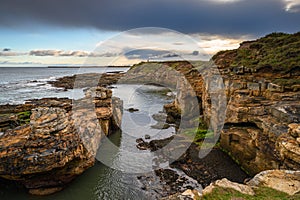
(188, 16)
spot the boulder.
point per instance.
(281, 180)
(45, 154)
(192, 194)
(224, 183)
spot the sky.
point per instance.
(102, 32)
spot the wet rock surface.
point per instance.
(202, 171)
(216, 165)
(160, 125)
(165, 182)
(132, 110)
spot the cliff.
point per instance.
(262, 87)
(262, 81)
(58, 140)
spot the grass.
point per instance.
(277, 51)
(160, 91)
(199, 135)
(261, 193)
(287, 82)
(24, 117)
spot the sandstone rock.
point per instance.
(43, 192)
(228, 184)
(258, 109)
(289, 151)
(281, 180)
(256, 131)
(8, 122)
(58, 144)
(86, 80)
(261, 127)
(192, 194)
(32, 154)
(261, 98)
(294, 130)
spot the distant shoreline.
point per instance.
(88, 66)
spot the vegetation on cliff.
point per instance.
(276, 52)
(261, 193)
(24, 117)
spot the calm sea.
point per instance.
(18, 84)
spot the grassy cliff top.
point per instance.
(274, 52)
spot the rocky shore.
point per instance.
(261, 124)
(87, 80)
(261, 129)
(45, 148)
(216, 165)
(46, 143)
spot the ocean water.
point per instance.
(104, 181)
(18, 84)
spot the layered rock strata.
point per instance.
(60, 141)
(261, 122)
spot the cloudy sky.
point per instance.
(53, 32)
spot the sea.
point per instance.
(18, 84)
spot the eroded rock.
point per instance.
(224, 183)
(58, 144)
(281, 180)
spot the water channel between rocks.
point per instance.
(126, 168)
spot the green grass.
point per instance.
(161, 91)
(261, 193)
(278, 51)
(287, 82)
(199, 135)
(24, 117)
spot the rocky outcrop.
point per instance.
(262, 113)
(59, 143)
(177, 76)
(224, 183)
(256, 127)
(86, 80)
(288, 144)
(281, 180)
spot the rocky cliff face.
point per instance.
(263, 112)
(262, 85)
(258, 118)
(59, 143)
(177, 76)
